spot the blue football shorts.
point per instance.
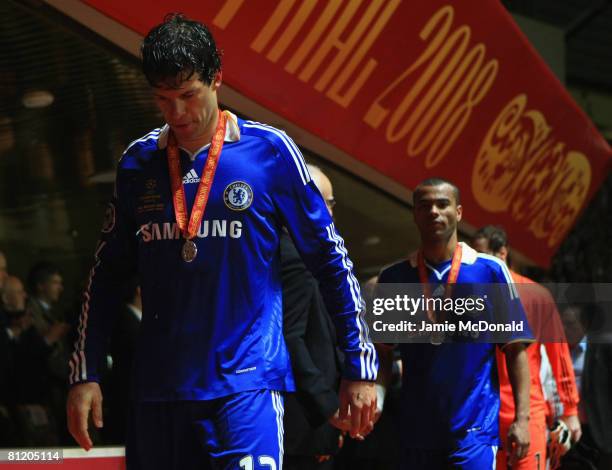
(468, 457)
(243, 431)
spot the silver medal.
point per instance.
(189, 251)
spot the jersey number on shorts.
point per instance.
(246, 463)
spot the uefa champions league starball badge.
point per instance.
(189, 251)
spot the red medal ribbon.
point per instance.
(452, 276)
(190, 230)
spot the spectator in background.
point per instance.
(45, 286)
(123, 347)
(16, 318)
(310, 440)
(29, 378)
(592, 359)
(545, 323)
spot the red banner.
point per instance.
(415, 89)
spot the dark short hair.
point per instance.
(495, 235)
(178, 48)
(435, 182)
(40, 272)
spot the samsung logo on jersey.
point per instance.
(208, 228)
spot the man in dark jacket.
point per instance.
(310, 441)
(123, 349)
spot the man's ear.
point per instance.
(217, 80)
(459, 212)
(502, 254)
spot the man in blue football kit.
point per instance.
(450, 395)
(198, 212)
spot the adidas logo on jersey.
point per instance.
(191, 177)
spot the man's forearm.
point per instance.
(518, 372)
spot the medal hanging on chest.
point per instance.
(189, 227)
(189, 251)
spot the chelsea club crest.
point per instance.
(238, 196)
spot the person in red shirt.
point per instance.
(546, 325)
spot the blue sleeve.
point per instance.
(114, 261)
(509, 307)
(305, 215)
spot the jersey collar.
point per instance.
(232, 134)
(469, 255)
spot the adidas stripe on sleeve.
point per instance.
(306, 217)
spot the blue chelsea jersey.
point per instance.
(213, 327)
(450, 392)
